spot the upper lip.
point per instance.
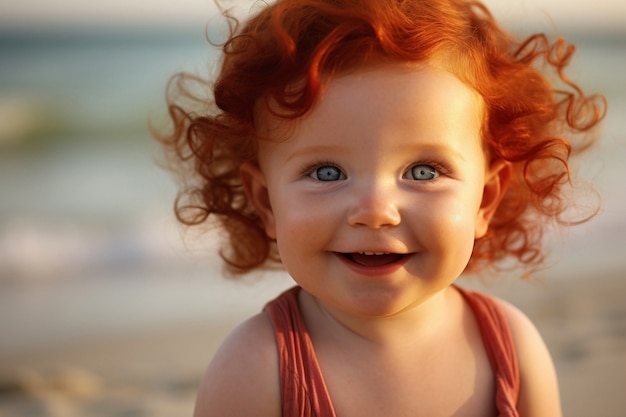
(374, 245)
(374, 262)
(374, 252)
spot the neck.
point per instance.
(410, 327)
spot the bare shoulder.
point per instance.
(539, 391)
(242, 378)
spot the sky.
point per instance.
(607, 14)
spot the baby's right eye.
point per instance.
(327, 173)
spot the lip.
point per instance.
(374, 269)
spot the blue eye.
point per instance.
(422, 172)
(327, 173)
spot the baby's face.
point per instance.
(376, 196)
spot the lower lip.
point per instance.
(374, 271)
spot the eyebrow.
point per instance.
(433, 148)
(315, 149)
(439, 149)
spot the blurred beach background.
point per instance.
(108, 309)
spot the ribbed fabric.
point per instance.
(500, 348)
(304, 393)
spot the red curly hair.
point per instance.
(286, 52)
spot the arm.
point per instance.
(242, 378)
(539, 390)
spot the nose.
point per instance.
(375, 206)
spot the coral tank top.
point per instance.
(304, 393)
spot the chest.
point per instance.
(450, 377)
(446, 381)
(449, 374)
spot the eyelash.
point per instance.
(439, 167)
(306, 172)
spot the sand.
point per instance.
(122, 367)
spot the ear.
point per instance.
(255, 187)
(496, 183)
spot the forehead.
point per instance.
(388, 96)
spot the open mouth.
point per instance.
(373, 259)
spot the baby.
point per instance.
(378, 149)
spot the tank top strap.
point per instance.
(303, 390)
(500, 348)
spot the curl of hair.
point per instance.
(285, 53)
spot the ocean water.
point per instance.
(82, 200)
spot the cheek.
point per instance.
(451, 240)
(299, 212)
(299, 242)
(458, 225)
(298, 227)
(453, 226)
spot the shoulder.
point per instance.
(539, 392)
(242, 378)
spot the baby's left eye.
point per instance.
(422, 172)
(326, 173)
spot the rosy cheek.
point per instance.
(457, 221)
(453, 213)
